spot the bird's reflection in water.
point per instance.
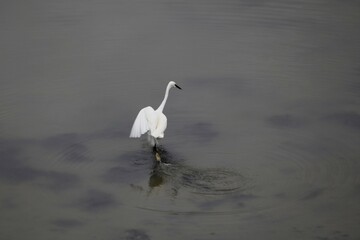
(173, 171)
(156, 179)
(162, 160)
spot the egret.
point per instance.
(153, 122)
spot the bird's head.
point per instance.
(173, 84)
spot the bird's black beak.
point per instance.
(177, 86)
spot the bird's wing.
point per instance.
(143, 122)
(160, 126)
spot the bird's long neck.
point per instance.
(162, 105)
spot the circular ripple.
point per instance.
(195, 180)
(213, 181)
(176, 187)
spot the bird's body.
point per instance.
(149, 120)
(153, 122)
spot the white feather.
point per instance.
(143, 122)
(161, 124)
(154, 122)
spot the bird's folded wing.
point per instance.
(160, 127)
(141, 124)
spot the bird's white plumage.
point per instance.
(161, 124)
(144, 122)
(154, 122)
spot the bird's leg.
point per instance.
(157, 154)
(157, 157)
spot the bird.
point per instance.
(153, 122)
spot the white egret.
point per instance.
(151, 121)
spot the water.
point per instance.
(262, 142)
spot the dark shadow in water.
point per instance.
(17, 173)
(348, 119)
(13, 169)
(96, 200)
(285, 121)
(334, 235)
(67, 223)
(313, 194)
(136, 234)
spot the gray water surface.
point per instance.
(262, 142)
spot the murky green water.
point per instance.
(262, 143)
